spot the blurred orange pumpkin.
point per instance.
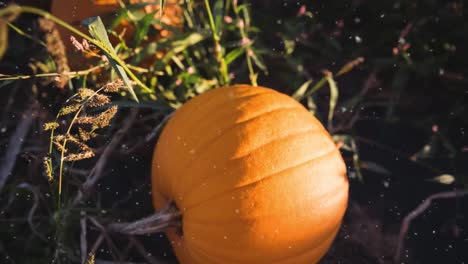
(74, 11)
(255, 176)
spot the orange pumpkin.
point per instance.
(255, 176)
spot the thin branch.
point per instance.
(114, 250)
(156, 130)
(83, 240)
(97, 172)
(418, 211)
(16, 142)
(143, 252)
(4, 77)
(34, 190)
(217, 46)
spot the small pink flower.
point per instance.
(244, 41)
(228, 19)
(435, 128)
(76, 43)
(178, 82)
(85, 44)
(395, 51)
(302, 11)
(104, 58)
(250, 53)
(340, 23)
(232, 75)
(190, 70)
(406, 46)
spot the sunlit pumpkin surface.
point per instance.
(256, 176)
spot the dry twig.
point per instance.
(83, 241)
(16, 142)
(97, 172)
(418, 211)
(34, 190)
(141, 249)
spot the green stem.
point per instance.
(26, 35)
(50, 74)
(315, 88)
(218, 49)
(252, 74)
(62, 154)
(15, 9)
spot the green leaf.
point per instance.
(119, 17)
(179, 44)
(218, 15)
(311, 105)
(3, 37)
(143, 27)
(333, 98)
(289, 46)
(258, 62)
(349, 144)
(13, 12)
(233, 55)
(374, 167)
(246, 15)
(161, 8)
(98, 31)
(299, 93)
(187, 40)
(147, 50)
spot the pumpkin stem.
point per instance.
(168, 217)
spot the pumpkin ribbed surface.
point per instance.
(255, 175)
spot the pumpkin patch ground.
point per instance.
(233, 132)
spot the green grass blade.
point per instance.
(299, 93)
(333, 98)
(98, 31)
(3, 37)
